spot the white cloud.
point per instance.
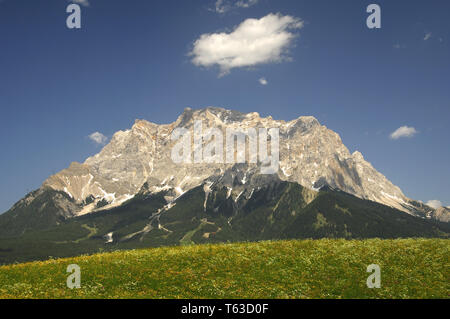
(427, 36)
(434, 203)
(253, 42)
(223, 6)
(246, 3)
(263, 81)
(84, 3)
(404, 131)
(98, 138)
(399, 46)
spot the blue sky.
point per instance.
(130, 60)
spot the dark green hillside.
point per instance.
(279, 210)
(335, 214)
(39, 210)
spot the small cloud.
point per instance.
(223, 6)
(399, 46)
(253, 42)
(434, 203)
(246, 3)
(84, 3)
(98, 138)
(427, 36)
(263, 81)
(404, 131)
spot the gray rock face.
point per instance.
(310, 154)
(442, 214)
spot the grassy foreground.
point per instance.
(410, 268)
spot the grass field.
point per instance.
(410, 268)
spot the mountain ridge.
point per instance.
(102, 174)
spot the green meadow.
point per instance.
(327, 268)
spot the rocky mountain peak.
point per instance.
(310, 155)
(358, 156)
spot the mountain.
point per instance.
(319, 189)
(310, 154)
